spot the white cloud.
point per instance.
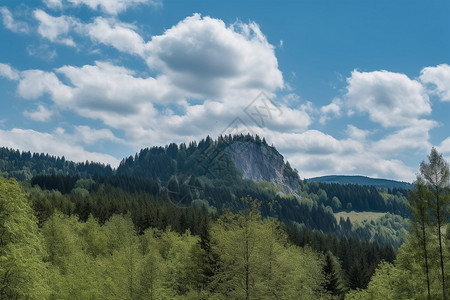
(121, 36)
(55, 29)
(331, 110)
(208, 59)
(391, 99)
(56, 143)
(415, 137)
(8, 72)
(41, 114)
(35, 83)
(444, 147)
(112, 7)
(439, 78)
(91, 136)
(106, 87)
(10, 23)
(54, 4)
(355, 133)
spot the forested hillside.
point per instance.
(179, 191)
(25, 165)
(363, 180)
(205, 173)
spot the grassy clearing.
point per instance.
(358, 216)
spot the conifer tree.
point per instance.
(332, 283)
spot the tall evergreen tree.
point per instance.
(331, 283)
(436, 174)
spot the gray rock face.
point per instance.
(260, 162)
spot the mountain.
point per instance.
(362, 180)
(212, 175)
(231, 158)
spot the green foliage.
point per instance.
(419, 272)
(360, 197)
(389, 229)
(22, 270)
(256, 263)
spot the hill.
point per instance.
(210, 174)
(178, 186)
(362, 180)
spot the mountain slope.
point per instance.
(212, 175)
(362, 180)
(230, 158)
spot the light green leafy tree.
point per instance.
(22, 271)
(123, 260)
(256, 262)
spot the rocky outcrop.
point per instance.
(258, 161)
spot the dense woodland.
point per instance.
(131, 233)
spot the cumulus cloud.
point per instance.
(119, 35)
(207, 58)
(391, 99)
(10, 23)
(8, 72)
(91, 136)
(55, 29)
(112, 7)
(35, 83)
(41, 114)
(414, 137)
(56, 143)
(331, 110)
(355, 133)
(439, 79)
(108, 87)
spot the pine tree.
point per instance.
(332, 282)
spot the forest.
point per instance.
(86, 231)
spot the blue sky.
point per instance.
(349, 87)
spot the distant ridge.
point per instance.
(362, 180)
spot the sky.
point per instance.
(338, 87)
